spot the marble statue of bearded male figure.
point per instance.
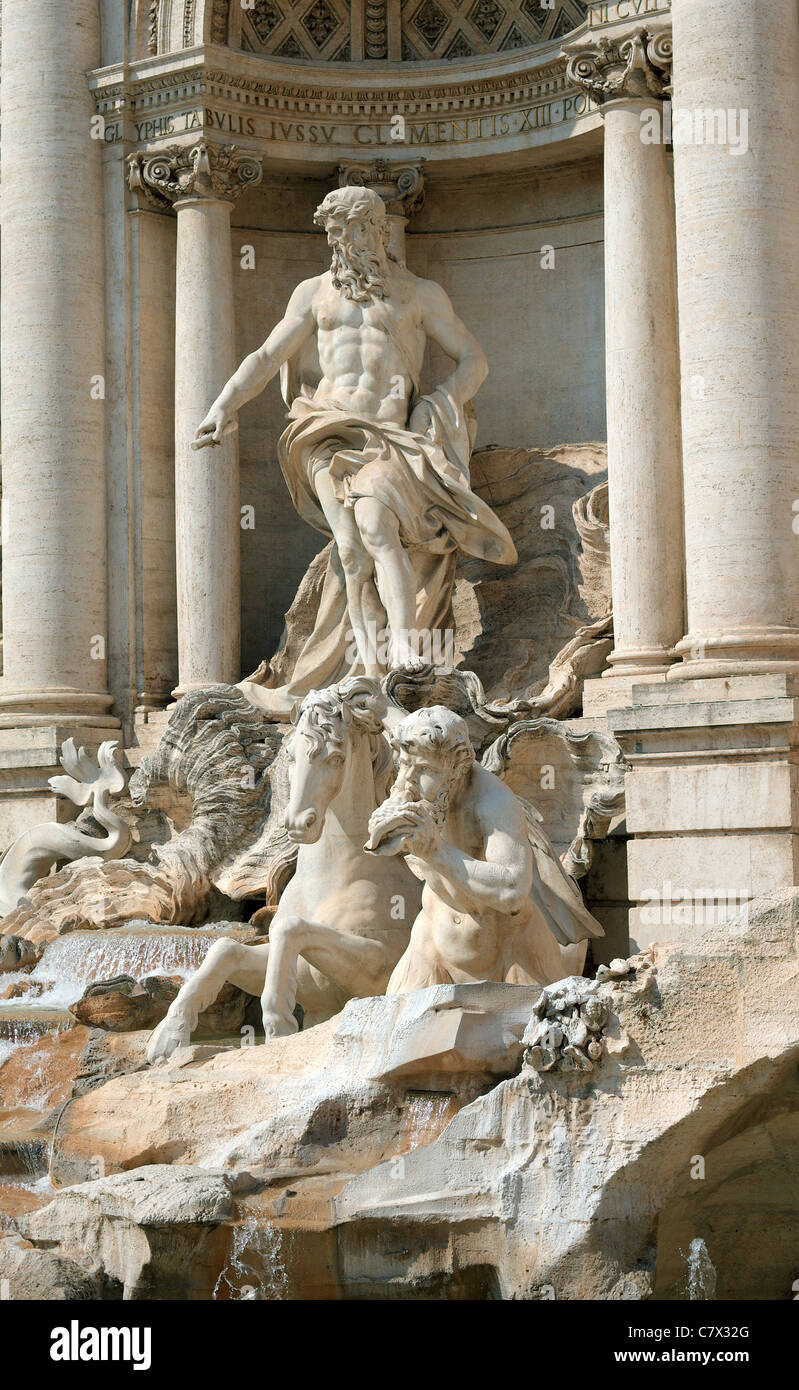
(367, 460)
(497, 903)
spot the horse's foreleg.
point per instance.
(358, 965)
(227, 960)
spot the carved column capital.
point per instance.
(635, 65)
(204, 170)
(401, 186)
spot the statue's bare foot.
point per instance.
(402, 657)
(170, 1034)
(278, 1025)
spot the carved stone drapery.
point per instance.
(191, 171)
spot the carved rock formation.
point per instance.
(125, 1005)
(563, 1182)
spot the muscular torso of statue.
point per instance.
(363, 368)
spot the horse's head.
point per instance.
(329, 724)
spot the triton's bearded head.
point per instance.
(357, 229)
(434, 762)
(435, 757)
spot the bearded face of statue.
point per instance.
(423, 776)
(434, 763)
(359, 267)
(355, 222)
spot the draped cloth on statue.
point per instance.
(421, 473)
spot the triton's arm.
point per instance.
(294, 329)
(500, 883)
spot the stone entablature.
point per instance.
(323, 122)
(497, 103)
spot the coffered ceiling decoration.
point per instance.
(308, 30)
(434, 29)
(337, 31)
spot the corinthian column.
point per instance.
(202, 183)
(628, 80)
(53, 367)
(736, 181)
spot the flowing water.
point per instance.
(255, 1268)
(19, 1032)
(701, 1281)
(80, 958)
(76, 960)
(427, 1113)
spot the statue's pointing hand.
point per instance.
(217, 423)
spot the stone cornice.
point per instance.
(328, 115)
(505, 108)
(203, 170)
(634, 65)
(328, 89)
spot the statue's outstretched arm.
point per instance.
(442, 324)
(295, 328)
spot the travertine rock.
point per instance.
(554, 1181)
(154, 1232)
(124, 1005)
(39, 1275)
(447, 1032)
(559, 1183)
(17, 953)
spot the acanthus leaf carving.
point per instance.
(200, 170)
(637, 65)
(401, 186)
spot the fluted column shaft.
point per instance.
(641, 353)
(53, 364)
(738, 267)
(207, 516)
(202, 183)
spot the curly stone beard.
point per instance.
(361, 276)
(391, 809)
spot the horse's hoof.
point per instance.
(167, 1038)
(279, 1025)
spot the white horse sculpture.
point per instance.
(35, 851)
(344, 919)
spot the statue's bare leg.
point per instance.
(363, 605)
(357, 964)
(227, 961)
(379, 531)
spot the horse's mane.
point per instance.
(326, 715)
